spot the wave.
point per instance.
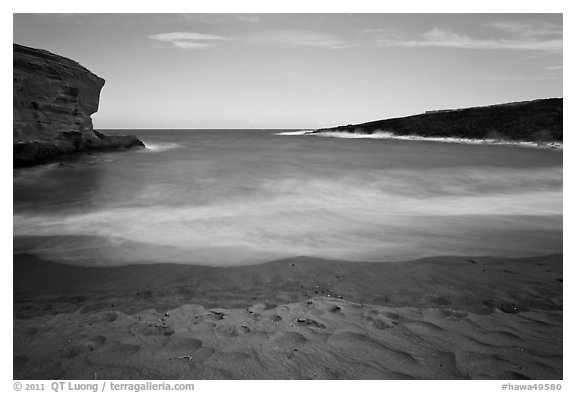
(160, 147)
(300, 132)
(363, 218)
(389, 135)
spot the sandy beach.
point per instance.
(300, 318)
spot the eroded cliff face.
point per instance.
(54, 98)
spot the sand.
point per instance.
(301, 318)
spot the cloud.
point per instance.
(527, 37)
(248, 18)
(185, 36)
(384, 37)
(189, 40)
(193, 45)
(528, 28)
(448, 39)
(299, 38)
(523, 78)
(554, 67)
(194, 40)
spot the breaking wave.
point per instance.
(292, 133)
(390, 135)
(160, 147)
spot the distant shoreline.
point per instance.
(388, 135)
(536, 123)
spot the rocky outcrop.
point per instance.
(536, 121)
(53, 100)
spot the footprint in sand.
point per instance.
(80, 346)
(151, 329)
(231, 331)
(227, 331)
(96, 341)
(375, 321)
(288, 340)
(121, 349)
(203, 354)
(186, 344)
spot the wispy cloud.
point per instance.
(384, 37)
(522, 78)
(194, 40)
(448, 39)
(299, 38)
(518, 35)
(528, 28)
(554, 67)
(189, 40)
(248, 18)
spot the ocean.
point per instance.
(236, 197)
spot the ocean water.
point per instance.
(230, 197)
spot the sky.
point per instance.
(300, 70)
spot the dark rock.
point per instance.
(53, 100)
(537, 121)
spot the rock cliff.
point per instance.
(53, 100)
(537, 121)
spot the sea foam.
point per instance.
(160, 147)
(390, 135)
